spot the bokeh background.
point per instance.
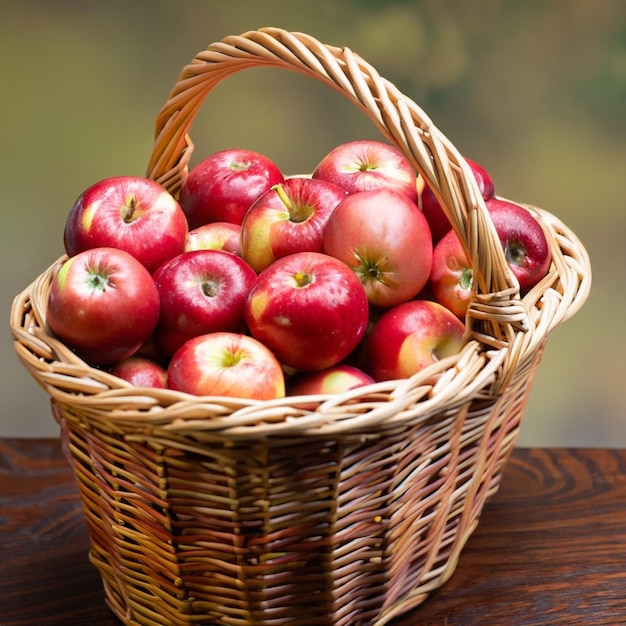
(533, 90)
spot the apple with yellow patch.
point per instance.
(226, 364)
(134, 214)
(411, 336)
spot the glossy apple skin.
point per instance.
(437, 219)
(366, 164)
(226, 364)
(134, 214)
(335, 379)
(524, 242)
(411, 336)
(309, 309)
(104, 304)
(215, 236)
(451, 276)
(385, 239)
(288, 218)
(201, 291)
(141, 372)
(223, 186)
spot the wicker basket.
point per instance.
(206, 510)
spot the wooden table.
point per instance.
(550, 548)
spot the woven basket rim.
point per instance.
(68, 379)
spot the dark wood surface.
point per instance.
(550, 547)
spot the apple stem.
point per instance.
(285, 199)
(297, 212)
(240, 167)
(302, 279)
(232, 357)
(366, 167)
(128, 213)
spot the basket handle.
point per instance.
(496, 312)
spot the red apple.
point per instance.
(141, 372)
(221, 187)
(104, 304)
(451, 275)
(309, 309)
(288, 218)
(333, 380)
(437, 219)
(226, 364)
(201, 291)
(131, 213)
(385, 239)
(524, 242)
(215, 236)
(411, 336)
(366, 164)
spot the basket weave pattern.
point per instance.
(224, 511)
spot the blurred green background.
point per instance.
(533, 90)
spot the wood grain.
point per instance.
(550, 547)
(45, 575)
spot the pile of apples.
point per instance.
(253, 284)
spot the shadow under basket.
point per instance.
(328, 510)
